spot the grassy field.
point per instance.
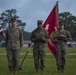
(28, 65)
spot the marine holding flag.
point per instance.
(61, 36)
(57, 45)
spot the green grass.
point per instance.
(50, 64)
(72, 50)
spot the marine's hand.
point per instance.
(38, 37)
(63, 36)
(43, 38)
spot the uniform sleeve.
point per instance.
(33, 39)
(68, 36)
(6, 39)
(46, 36)
(21, 38)
(56, 35)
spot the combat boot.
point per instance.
(14, 72)
(11, 71)
(62, 70)
(41, 68)
(37, 70)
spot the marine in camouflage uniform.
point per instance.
(14, 41)
(61, 36)
(39, 37)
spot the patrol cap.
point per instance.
(39, 22)
(61, 23)
(13, 19)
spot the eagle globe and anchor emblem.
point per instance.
(51, 35)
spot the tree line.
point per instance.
(68, 19)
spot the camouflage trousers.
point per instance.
(39, 58)
(61, 54)
(13, 59)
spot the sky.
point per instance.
(30, 11)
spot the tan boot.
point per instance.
(11, 71)
(14, 72)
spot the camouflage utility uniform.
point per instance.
(14, 41)
(61, 48)
(39, 47)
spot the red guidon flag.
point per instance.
(1, 31)
(50, 25)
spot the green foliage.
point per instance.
(69, 22)
(5, 19)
